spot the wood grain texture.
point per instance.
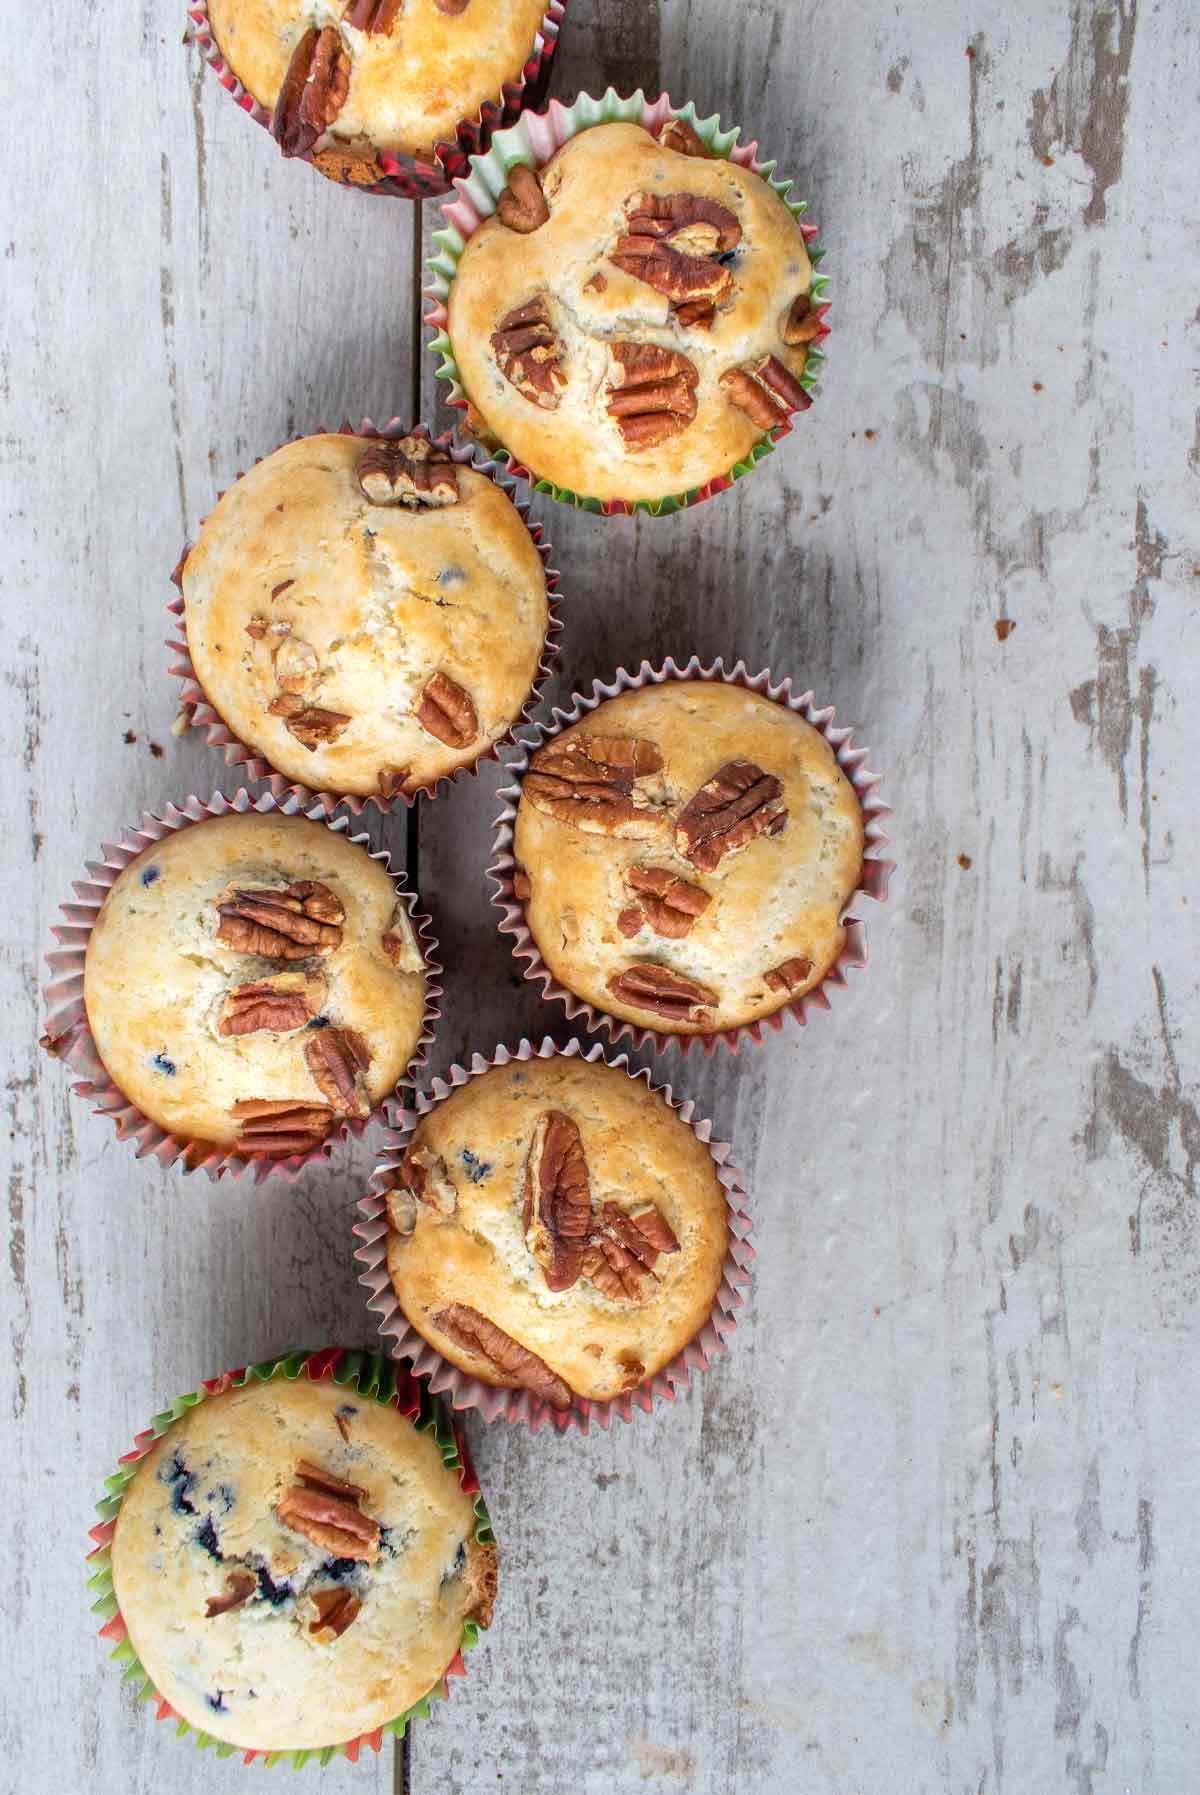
(932, 1526)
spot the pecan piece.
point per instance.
(399, 943)
(423, 1173)
(801, 322)
(452, 7)
(336, 1609)
(766, 391)
(392, 781)
(337, 1058)
(623, 1255)
(239, 1587)
(332, 1521)
(739, 802)
(596, 782)
(518, 1367)
(302, 919)
(262, 1008)
(522, 885)
(401, 1208)
(679, 136)
(314, 90)
(557, 1213)
(295, 664)
(315, 1478)
(654, 394)
(283, 1125)
(647, 986)
(674, 243)
(527, 352)
(447, 712)
(522, 206)
(372, 16)
(789, 975)
(630, 921)
(309, 723)
(670, 903)
(410, 472)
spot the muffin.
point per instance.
(684, 854)
(555, 1226)
(635, 316)
(355, 86)
(365, 613)
(295, 1564)
(253, 981)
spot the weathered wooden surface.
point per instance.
(933, 1525)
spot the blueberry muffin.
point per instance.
(555, 1226)
(295, 1563)
(253, 981)
(635, 316)
(684, 856)
(365, 614)
(347, 79)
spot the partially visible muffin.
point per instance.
(365, 614)
(294, 1564)
(251, 981)
(684, 855)
(346, 79)
(557, 1227)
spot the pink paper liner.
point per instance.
(462, 1390)
(68, 1036)
(408, 177)
(873, 880)
(197, 711)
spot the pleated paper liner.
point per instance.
(873, 880)
(374, 1379)
(458, 1387)
(533, 140)
(197, 711)
(409, 177)
(69, 1038)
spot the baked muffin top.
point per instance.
(684, 854)
(381, 74)
(294, 1563)
(253, 980)
(556, 1226)
(620, 320)
(365, 614)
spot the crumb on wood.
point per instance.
(130, 738)
(156, 750)
(1004, 628)
(964, 860)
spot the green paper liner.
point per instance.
(533, 140)
(372, 1376)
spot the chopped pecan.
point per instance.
(257, 627)
(674, 243)
(522, 206)
(623, 1255)
(411, 472)
(647, 986)
(315, 1478)
(527, 352)
(283, 1125)
(596, 782)
(401, 1208)
(670, 903)
(239, 1587)
(801, 322)
(308, 722)
(392, 781)
(371, 16)
(333, 1522)
(517, 1365)
(739, 802)
(766, 392)
(654, 394)
(295, 663)
(281, 587)
(679, 136)
(399, 943)
(789, 975)
(557, 1213)
(262, 1008)
(314, 90)
(292, 923)
(336, 1609)
(452, 7)
(447, 712)
(423, 1172)
(630, 921)
(337, 1058)
(522, 885)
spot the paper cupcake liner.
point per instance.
(873, 880)
(68, 1036)
(533, 140)
(373, 1378)
(409, 177)
(197, 711)
(462, 1390)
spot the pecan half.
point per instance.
(527, 353)
(801, 322)
(303, 918)
(522, 206)
(679, 136)
(423, 1172)
(766, 391)
(336, 1609)
(670, 903)
(262, 1008)
(739, 802)
(674, 243)
(595, 782)
(280, 1125)
(337, 1058)
(557, 1213)
(410, 472)
(446, 711)
(789, 975)
(309, 723)
(647, 986)
(623, 1255)
(517, 1365)
(314, 90)
(653, 393)
(239, 1587)
(371, 16)
(327, 1512)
